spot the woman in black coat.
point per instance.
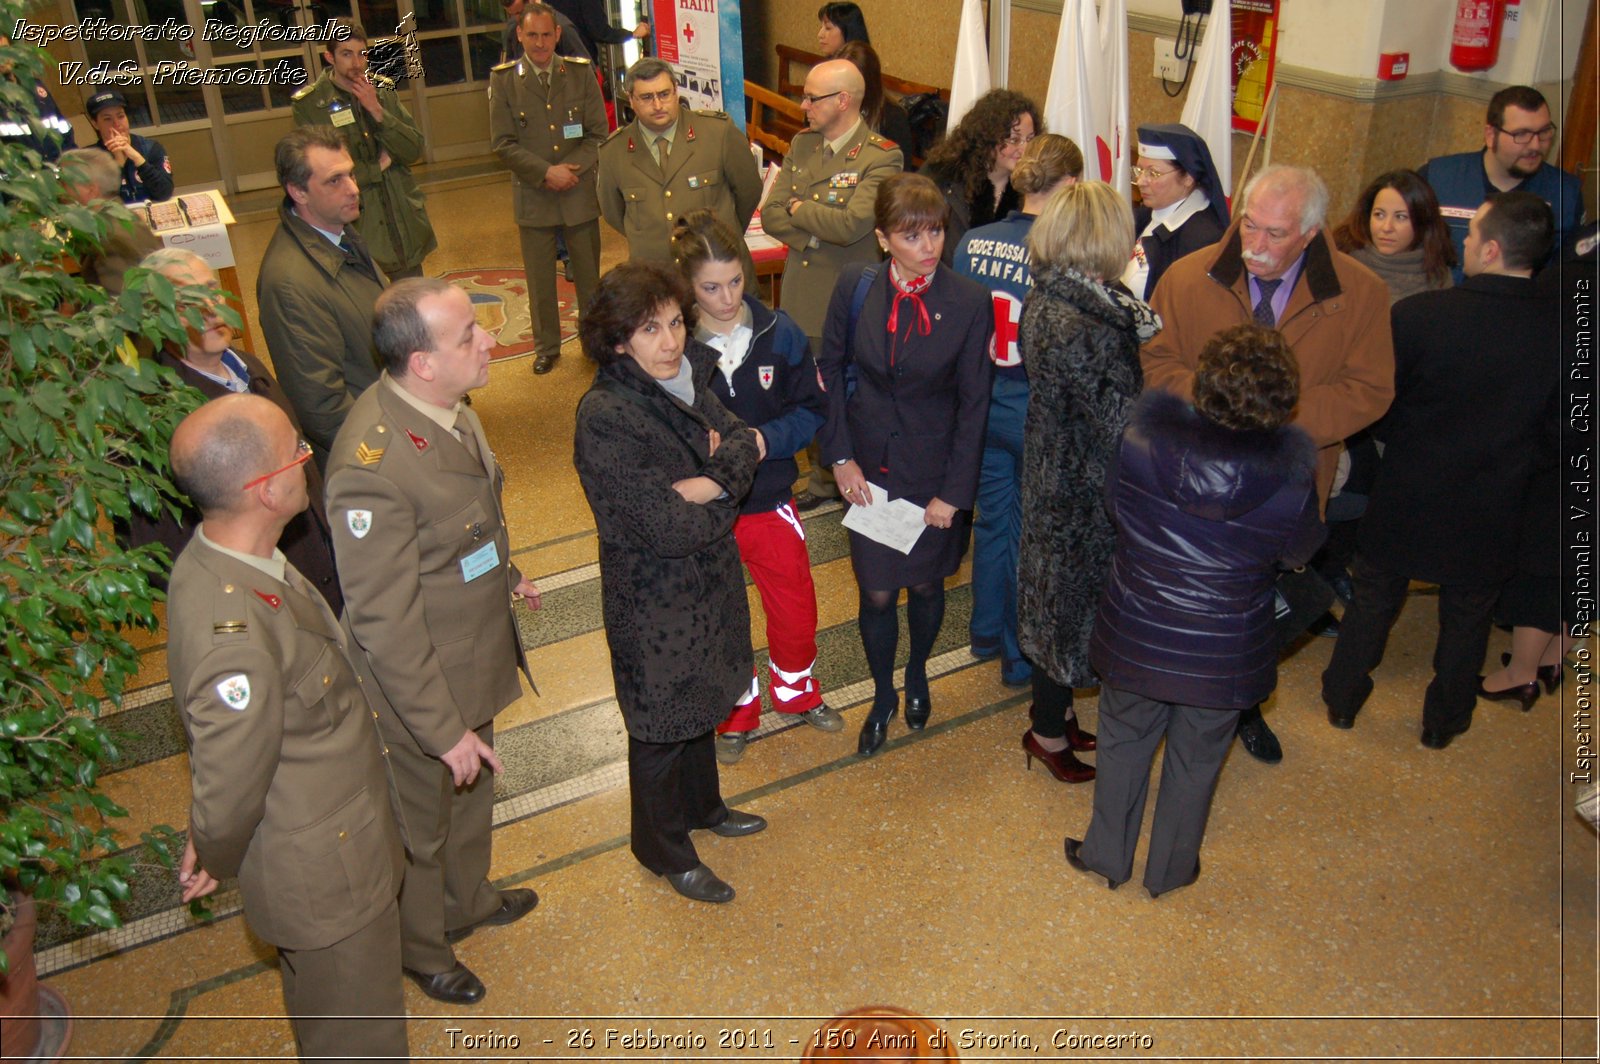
(1080, 340)
(905, 361)
(1182, 204)
(663, 466)
(972, 165)
(1209, 500)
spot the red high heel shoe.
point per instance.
(1077, 738)
(1062, 764)
(1525, 693)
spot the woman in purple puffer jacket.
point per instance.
(1209, 501)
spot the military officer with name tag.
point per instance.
(425, 564)
(671, 160)
(822, 207)
(288, 784)
(546, 122)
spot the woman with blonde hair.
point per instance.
(1080, 340)
(996, 256)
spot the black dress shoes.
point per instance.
(805, 502)
(514, 905)
(1075, 861)
(873, 734)
(917, 710)
(701, 884)
(458, 986)
(1154, 894)
(1257, 739)
(1339, 720)
(543, 364)
(739, 823)
(1439, 738)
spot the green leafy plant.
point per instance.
(83, 432)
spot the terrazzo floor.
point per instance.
(1366, 899)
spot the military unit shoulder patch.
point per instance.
(235, 692)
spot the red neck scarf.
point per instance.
(909, 290)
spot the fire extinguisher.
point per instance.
(1475, 42)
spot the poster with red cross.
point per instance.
(703, 40)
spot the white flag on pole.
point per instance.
(1209, 109)
(971, 77)
(1070, 104)
(1114, 51)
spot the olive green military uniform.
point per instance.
(831, 227)
(394, 215)
(709, 165)
(425, 564)
(289, 791)
(533, 128)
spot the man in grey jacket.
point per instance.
(318, 284)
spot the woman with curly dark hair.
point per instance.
(664, 465)
(1208, 501)
(972, 165)
(1396, 231)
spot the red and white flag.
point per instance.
(1114, 54)
(1073, 106)
(971, 77)
(1209, 109)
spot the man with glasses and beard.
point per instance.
(1517, 137)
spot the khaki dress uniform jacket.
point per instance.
(290, 792)
(532, 131)
(424, 561)
(709, 166)
(316, 314)
(394, 214)
(831, 227)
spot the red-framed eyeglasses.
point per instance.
(302, 455)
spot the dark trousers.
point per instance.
(1465, 615)
(672, 789)
(1130, 729)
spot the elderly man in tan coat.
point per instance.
(1276, 266)
(289, 790)
(425, 564)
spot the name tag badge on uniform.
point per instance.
(343, 117)
(572, 130)
(235, 692)
(483, 560)
(360, 522)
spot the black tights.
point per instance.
(880, 637)
(1052, 705)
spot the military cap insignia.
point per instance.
(360, 522)
(270, 599)
(369, 455)
(235, 692)
(419, 442)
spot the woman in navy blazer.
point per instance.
(905, 361)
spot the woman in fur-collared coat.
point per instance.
(664, 466)
(1080, 340)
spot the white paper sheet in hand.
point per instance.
(895, 524)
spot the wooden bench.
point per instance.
(789, 57)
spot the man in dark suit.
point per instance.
(210, 364)
(1477, 370)
(546, 121)
(425, 563)
(289, 790)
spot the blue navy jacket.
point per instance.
(153, 180)
(1462, 185)
(775, 391)
(996, 256)
(1204, 516)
